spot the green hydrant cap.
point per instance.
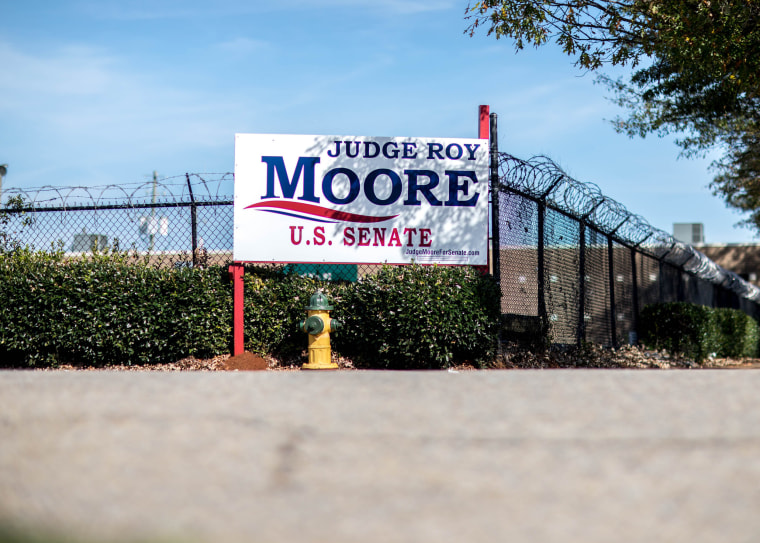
(319, 302)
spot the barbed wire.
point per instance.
(542, 179)
(207, 187)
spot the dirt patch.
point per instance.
(245, 362)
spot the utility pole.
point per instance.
(3, 171)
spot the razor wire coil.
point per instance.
(541, 179)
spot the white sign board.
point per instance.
(344, 199)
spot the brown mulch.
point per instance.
(589, 356)
(225, 362)
(592, 356)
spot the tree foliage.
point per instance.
(12, 215)
(697, 70)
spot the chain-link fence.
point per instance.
(571, 260)
(582, 265)
(178, 221)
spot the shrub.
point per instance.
(679, 327)
(109, 308)
(698, 331)
(419, 317)
(738, 333)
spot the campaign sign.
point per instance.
(347, 199)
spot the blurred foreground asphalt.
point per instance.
(519, 456)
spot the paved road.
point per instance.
(535, 456)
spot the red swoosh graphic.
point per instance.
(318, 211)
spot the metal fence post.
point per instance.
(661, 277)
(582, 285)
(635, 294)
(541, 264)
(495, 245)
(193, 221)
(610, 266)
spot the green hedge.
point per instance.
(697, 331)
(116, 309)
(419, 317)
(738, 333)
(108, 309)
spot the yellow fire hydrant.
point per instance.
(318, 325)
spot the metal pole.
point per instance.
(496, 249)
(236, 270)
(662, 272)
(483, 122)
(635, 293)
(582, 286)
(683, 278)
(613, 311)
(541, 265)
(193, 221)
(152, 225)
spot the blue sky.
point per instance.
(97, 92)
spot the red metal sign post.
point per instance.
(236, 275)
(484, 122)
